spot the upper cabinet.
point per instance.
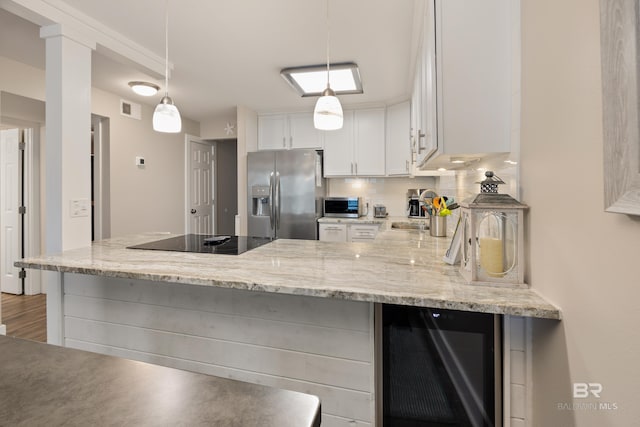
(285, 131)
(398, 140)
(468, 54)
(358, 149)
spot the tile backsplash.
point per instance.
(392, 191)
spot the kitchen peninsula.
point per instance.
(294, 314)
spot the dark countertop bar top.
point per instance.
(42, 384)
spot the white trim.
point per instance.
(32, 236)
(506, 371)
(55, 307)
(47, 12)
(528, 351)
(3, 329)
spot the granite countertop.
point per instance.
(44, 384)
(400, 267)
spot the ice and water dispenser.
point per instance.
(260, 200)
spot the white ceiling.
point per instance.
(230, 52)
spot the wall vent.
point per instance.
(130, 109)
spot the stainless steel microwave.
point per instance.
(343, 207)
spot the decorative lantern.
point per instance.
(492, 236)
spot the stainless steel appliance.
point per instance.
(343, 207)
(415, 210)
(285, 193)
(440, 367)
(379, 211)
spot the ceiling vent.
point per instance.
(130, 109)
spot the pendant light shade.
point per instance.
(328, 112)
(166, 117)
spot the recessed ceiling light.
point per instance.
(144, 88)
(344, 78)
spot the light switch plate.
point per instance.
(79, 208)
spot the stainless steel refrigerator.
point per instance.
(285, 193)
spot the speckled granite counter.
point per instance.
(50, 385)
(400, 267)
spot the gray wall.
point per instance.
(226, 185)
(581, 258)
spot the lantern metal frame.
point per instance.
(509, 213)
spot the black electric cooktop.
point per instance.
(203, 243)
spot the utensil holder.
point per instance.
(438, 226)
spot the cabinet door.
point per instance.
(369, 134)
(272, 132)
(427, 134)
(362, 233)
(398, 141)
(474, 75)
(302, 132)
(333, 232)
(338, 149)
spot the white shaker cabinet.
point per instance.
(338, 148)
(369, 138)
(358, 149)
(362, 232)
(285, 131)
(333, 232)
(398, 140)
(474, 63)
(423, 101)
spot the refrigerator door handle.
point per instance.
(277, 200)
(272, 216)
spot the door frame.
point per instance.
(187, 181)
(31, 133)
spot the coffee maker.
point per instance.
(414, 208)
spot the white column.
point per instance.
(68, 139)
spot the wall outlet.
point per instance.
(139, 161)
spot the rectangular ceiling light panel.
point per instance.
(312, 80)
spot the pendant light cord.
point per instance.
(166, 49)
(328, 30)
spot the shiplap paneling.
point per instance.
(326, 312)
(343, 343)
(303, 366)
(313, 345)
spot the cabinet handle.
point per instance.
(284, 142)
(291, 141)
(420, 138)
(356, 168)
(351, 168)
(407, 165)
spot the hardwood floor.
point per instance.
(25, 316)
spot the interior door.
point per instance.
(201, 187)
(11, 232)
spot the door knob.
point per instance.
(193, 211)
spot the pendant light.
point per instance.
(328, 112)
(166, 117)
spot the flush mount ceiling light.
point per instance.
(166, 117)
(311, 80)
(144, 88)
